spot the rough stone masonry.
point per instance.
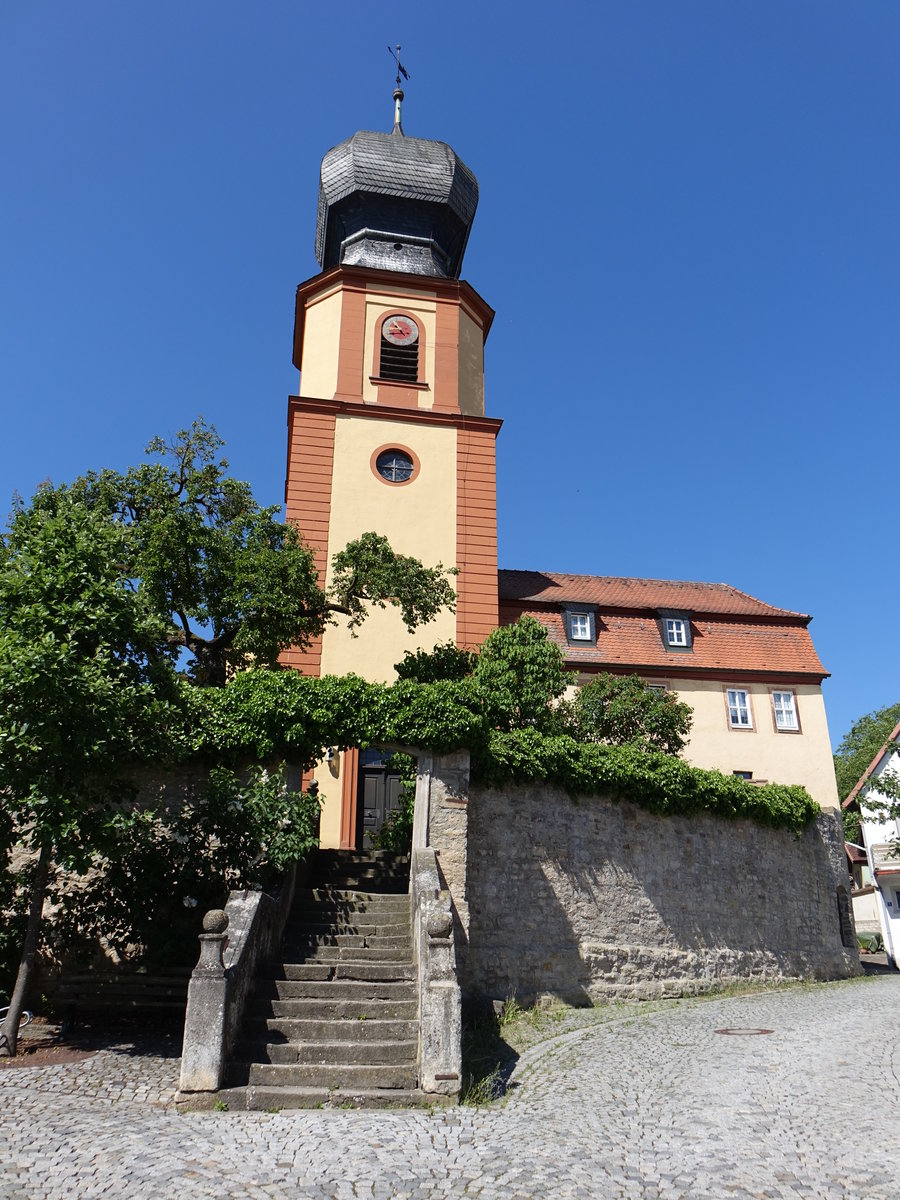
(596, 899)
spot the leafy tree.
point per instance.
(521, 674)
(620, 709)
(851, 821)
(233, 831)
(520, 678)
(857, 749)
(82, 694)
(233, 584)
(104, 586)
(446, 661)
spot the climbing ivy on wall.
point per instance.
(265, 715)
(656, 781)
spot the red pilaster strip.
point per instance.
(476, 534)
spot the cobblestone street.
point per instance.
(658, 1106)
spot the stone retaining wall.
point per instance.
(599, 899)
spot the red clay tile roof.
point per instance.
(722, 646)
(610, 591)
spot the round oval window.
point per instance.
(395, 466)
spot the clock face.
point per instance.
(400, 331)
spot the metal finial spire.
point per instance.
(398, 90)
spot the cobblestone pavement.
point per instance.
(656, 1106)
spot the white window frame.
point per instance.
(779, 710)
(676, 632)
(735, 707)
(580, 626)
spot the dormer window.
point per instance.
(676, 630)
(399, 358)
(580, 627)
(676, 634)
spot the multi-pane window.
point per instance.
(676, 631)
(394, 465)
(785, 707)
(580, 627)
(739, 715)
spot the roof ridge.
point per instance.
(695, 583)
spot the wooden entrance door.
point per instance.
(378, 795)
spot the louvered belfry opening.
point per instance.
(399, 362)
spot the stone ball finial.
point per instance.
(215, 921)
(439, 924)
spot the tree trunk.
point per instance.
(10, 1032)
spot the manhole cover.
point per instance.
(739, 1032)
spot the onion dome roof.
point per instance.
(395, 202)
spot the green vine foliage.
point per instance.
(264, 715)
(656, 781)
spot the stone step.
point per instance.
(273, 1099)
(358, 935)
(316, 1008)
(322, 1075)
(374, 888)
(355, 969)
(391, 906)
(339, 930)
(359, 898)
(380, 878)
(298, 952)
(387, 858)
(362, 1026)
(348, 920)
(341, 1053)
(331, 990)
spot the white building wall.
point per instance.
(880, 836)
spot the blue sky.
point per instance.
(703, 197)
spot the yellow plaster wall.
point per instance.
(803, 757)
(328, 776)
(380, 305)
(418, 518)
(471, 366)
(321, 342)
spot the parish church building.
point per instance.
(388, 432)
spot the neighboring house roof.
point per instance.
(886, 750)
(732, 633)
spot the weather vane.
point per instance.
(398, 90)
(401, 70)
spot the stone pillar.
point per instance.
(439, 1007)
(448, 824)
(203, 1052)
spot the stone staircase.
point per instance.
(334, 1021)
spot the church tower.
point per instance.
(388, 431)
